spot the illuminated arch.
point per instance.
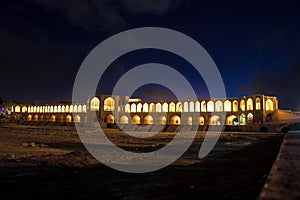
(249, 104)
(54, 109)
(257, 103)
(158, 107)
(127, 108)
(179, 107)
(136, 119)
(250, 118)
(59, 109)
(197, 106)
(68, 118)
(227, 106)
(201, 120)
(172, 107)
(52, 118)
(139, 107)
(232, 120)
(210, 106)
(124, 119)
(189, 120)
(146, 107)
(71, 108)
(24, 109)
(79, 109)
(152, 107)
(235, 106)
(269, 105)
(242, 119)
(29, 117)
(192, 106)
(203, 106)
(77, 118)
(35, 118)
(175, 120)
(165, 107)
(219, 106)
(63, 109)
(94, 104)
(110, 119)
(109, 104)
(51, 109)
(75, 108)
(242, 105)
(148, 120)
(185, 106)
(133, 108)
(67, 108)
(214, 120)
(37, 109)
(162, 120)
(84, 108)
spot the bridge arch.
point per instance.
(175, 119)
(109, 104)
(94, 104)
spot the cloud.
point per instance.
(285, 86)
(105, 15)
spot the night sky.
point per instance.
(255, 45)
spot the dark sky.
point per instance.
(255, 44)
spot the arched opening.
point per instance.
(59, 109)
(133, 108)
(179, 107)
(110, 119)
(52, 118)
(172, 107)
(189, 120)
(67, 108)
(84, 108)
(77, 118)
(242, 119)
(249, 104)
(68, 118)
(152, 107)
(34, 109)
(54, 109)
(242, 105)
(219, 106)
(146, 107)
(94, 104)
(71, 108)
(185, 107)
(127, 108)
(257, 103)
(29, 117)
(203, 106)
(192, 106)
(269, 105)
(210, 106)
(197, 106)
(75, 108)
(232, 120)
(201, 120)
(162, 120)
(250, 118)
(24, 109)
(158, 107)
(148, 120)
(136, 119)
(235, 106)
(139, 107)
(35, 118)
(109, 104)
(61, 118)
(175, 120)
(165, 107)
(214, 120)
(80, 108)
(227, 106)
(124, 119)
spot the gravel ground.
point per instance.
(51, 163)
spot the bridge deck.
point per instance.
(284, 179)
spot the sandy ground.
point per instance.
(51, 163)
